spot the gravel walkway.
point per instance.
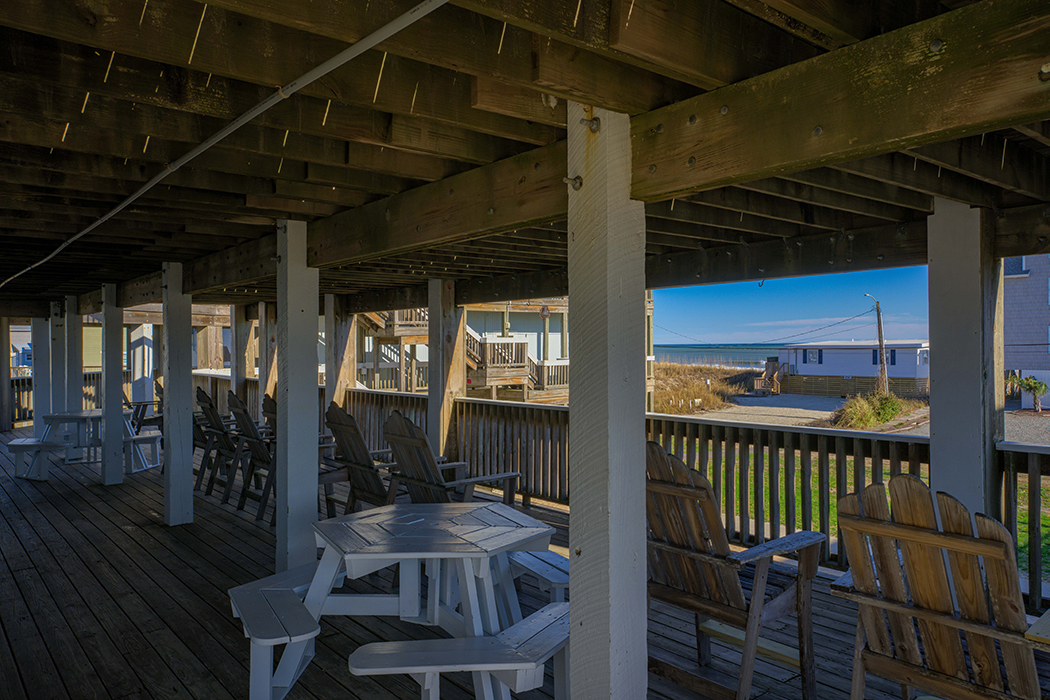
(780, 409)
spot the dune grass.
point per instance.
(692, 389)
(867, 411)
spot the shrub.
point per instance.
(862, 412)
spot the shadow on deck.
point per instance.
(99, 599)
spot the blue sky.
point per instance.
(748, 313)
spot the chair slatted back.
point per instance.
(898, 554)
(682, 511)
(213, 422)
(415, 459)
(246, 426)
(269, 411)
(352, 448)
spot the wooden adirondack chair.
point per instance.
(692, 567)
(359, 463)
(260, 456)
(227, 454)
(897, 568)
(422, 474)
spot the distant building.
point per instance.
(849, 367)
(1026, 318)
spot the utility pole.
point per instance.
(883, 386)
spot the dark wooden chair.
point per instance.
(259, 453)
(421, 473)
(692, 568)
(923, 624)
(360, 465)
(227, 452)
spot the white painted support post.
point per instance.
(340, 349)
(565, 334)
(112, 403)
(297, 312)
(6, 408)
(240, 332)
(177, 348)
(58, 358)
(141, 351)
(607, 541)
(74, 355)
(967, 395)
(446, 361)
(41, 330)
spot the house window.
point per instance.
(815, 357)
(1015, 267)
(875, 356)
(924, 357)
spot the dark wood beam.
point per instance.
(1023, 231)
(514, 193)
(788, 24)
(491, 95)
(909, 171)
(759, 204)
(1038, 131)
(232, 267)
(995, 160)
(804, 193)
(387, 300)
(972, 66)
(456, 39)
(231, 45)
(27, 308)
(845, 20)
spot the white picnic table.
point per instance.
(462, 548)
(86, 435)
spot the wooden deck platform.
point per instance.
(99, 599)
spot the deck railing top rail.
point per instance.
(797, 429)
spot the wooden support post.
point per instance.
(58, 358)
(268, 385)
(297, 290)
(141, 351)
(112, 404)
(74, 356)
(340, 349)
(401, 365)
(177, 335)
(447, 360)
(251, 351)
(413, 371)
(607, 541)
(240, 330)
(565, 334)
(7, 411)
(966, 376)
(376, 355)
(262, 337)
(41, 330)
(546, 338)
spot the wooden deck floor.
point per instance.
(99, 599)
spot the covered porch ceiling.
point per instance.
(773, 138)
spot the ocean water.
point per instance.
(751, 356)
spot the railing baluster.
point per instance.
(729, 499)
(717, 434)
(1010, 492)
(876, 461)
(691, 430)
(774, 484)
(824, 494)
(806, 476)
(705, 435)
(841, 488)
(790, 483)
(895, 459)
(858, 465)
(760, 487)
(1035, 564)
(743, 491)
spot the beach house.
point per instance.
(850, 367)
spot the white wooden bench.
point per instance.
(30, 458)
(550, 569)
(272, 613)
(516, 656)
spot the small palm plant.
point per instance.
(1032, 386)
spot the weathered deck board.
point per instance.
(98, 599)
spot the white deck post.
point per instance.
(6, 407)
(607, 546)
(240, 331)
(141, 351)
(447, 362)
(58, 358)
(112, 403)
(41, 330)
(297, 312)
(966, 363)
(340, 349)
(176, 348)
(74, 355)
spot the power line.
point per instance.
(814, 330)
(681, 335)
(795, 335)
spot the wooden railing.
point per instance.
(503, 436)
(473, 347)
(371, 409)
(504, 353)
(549, 374)
(1022, 468)
(773, 480)
(412, 318)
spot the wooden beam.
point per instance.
(33, 308)
(709, 41)
(759, 204)
(849, 184)
(972, 64)
(788, 24)
(387, 300)
(1023, 231)
(235, 266)
(221, 51)
(804, 193)
(1039, 131)
(845, 20)
(493, 96)
(995, 160)
(517, 192)
(915, 174)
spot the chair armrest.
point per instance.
(444, 467)
(782, 545)
(843, 583)
(381, 454)
(505, 476)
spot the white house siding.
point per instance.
(526, 325)
(1026, 314)
(856, 362)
